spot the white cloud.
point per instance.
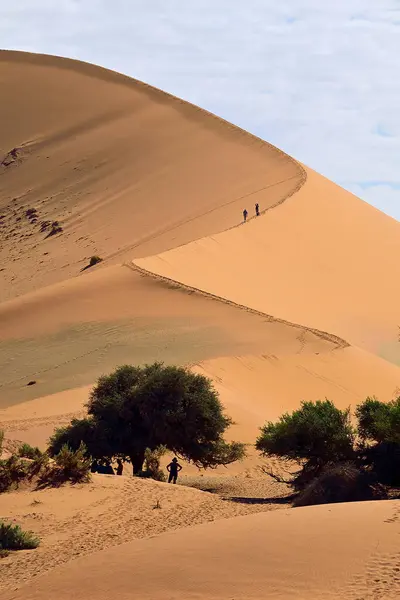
(318, 79)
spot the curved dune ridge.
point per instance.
(297, 304)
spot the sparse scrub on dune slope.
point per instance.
(139, 408)
(338, 463)
(68, 466)
(28, 451)
(32, 465)
(12, 537)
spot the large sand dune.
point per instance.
(126, 169)
(324, 552)
(324, 259)
(299, 303)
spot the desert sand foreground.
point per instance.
(297, 553)
(299, 303)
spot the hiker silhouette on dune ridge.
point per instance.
(245, 213)
(173, 468)
(257, 209)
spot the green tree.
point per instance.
(314, 435)
(379, 432)
(136, 408)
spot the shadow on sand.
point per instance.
(273, 500)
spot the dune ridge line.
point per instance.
(329, 337)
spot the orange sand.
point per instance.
(299, 303)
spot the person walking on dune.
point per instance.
(245, 213)
(257, 210)
(173, 469)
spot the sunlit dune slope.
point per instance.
(126, 169)
(323, 552)
(323, 258)
(259, 388)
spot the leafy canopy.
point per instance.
(317, 432)
(135, 408)
(379, 421)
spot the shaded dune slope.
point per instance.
(126, 169)
(68, 334)
(247, 557)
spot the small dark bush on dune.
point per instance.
(69, 466)
(28, 451)
(12, 537)
(341, 483)
(55, 228)
(94, 260)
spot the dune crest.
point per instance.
(298, 303)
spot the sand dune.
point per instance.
(323, 258)
(299, 303)
(67, 335)
(80, 520)
(301, 553)
(126, 169)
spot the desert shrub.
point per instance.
(55, 228)
(152, 467)
(94, 260)
(379, 432)
(69, 465)
(28, 451)
(136, 408)
(341, 483)
(12, 537)
(314, 435)
(12, 471)
(39, 465)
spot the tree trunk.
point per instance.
(137, 461)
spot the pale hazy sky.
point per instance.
(320, 80)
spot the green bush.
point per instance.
(12, 471)
(341, 483)
(152, 467)
(28, 451)
(136, 408)
(379, 431)
(69, 465)
(13, 538)
(314, 435)
(94, 260)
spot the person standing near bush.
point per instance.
(173, 469)
(120, 467)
